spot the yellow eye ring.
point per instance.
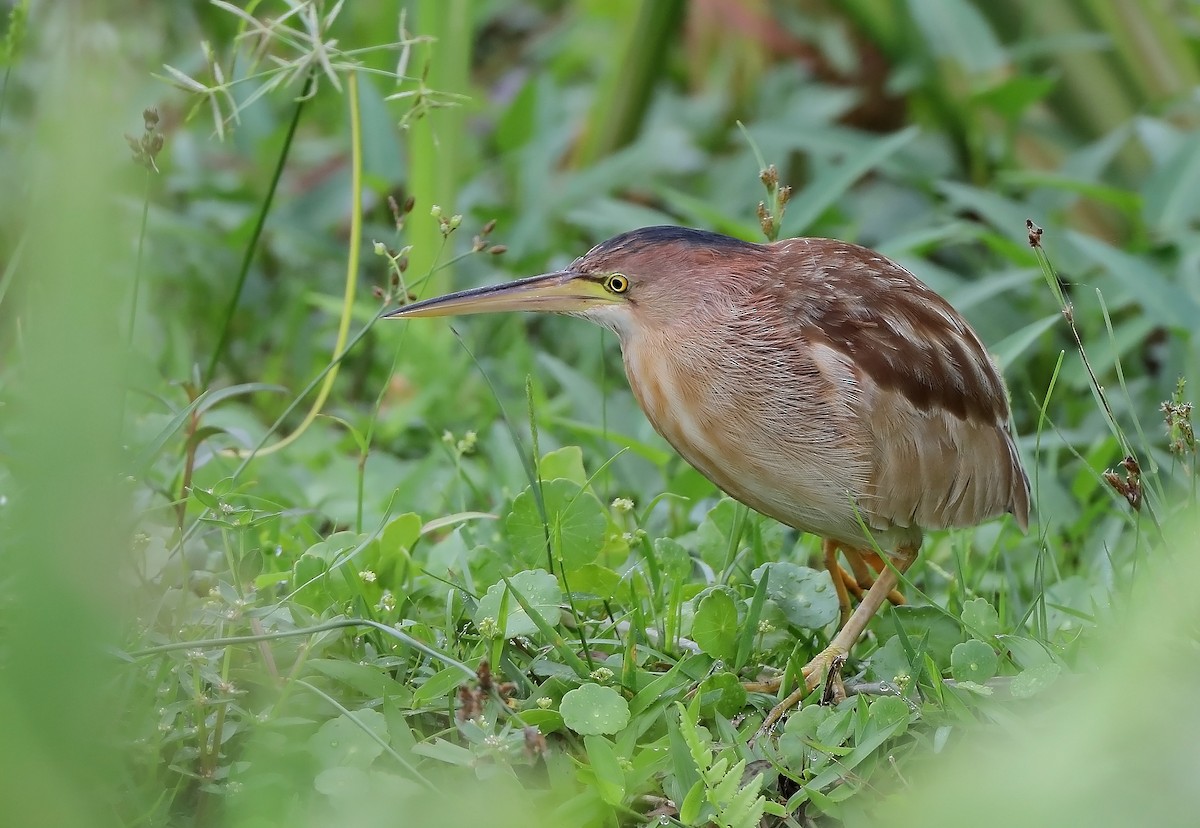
(617, 283)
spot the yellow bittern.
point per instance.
(816, 381)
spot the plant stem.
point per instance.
(261, 220)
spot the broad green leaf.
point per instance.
(594, 709)
(343, 781)
(1034, 680)
(805, 595)
(1007, 350)
(606, 768)
(1025, 652)
(721, 694)
(1172, 192)
(940, 631)
(957, 30)
(400, 533)
(673, 559)
(693, 804)
(714, 533)
(437, 686)
(395, 544)
(831, 182)
(594, 579)
(715, 625)
(1165, 300)
(889, 661)
(344, 741)
(369, 680)
(1016, 94)
(539, 588)
(799, 734)
(888, 717)
(565, 463)
(576, 524)
(973, 661)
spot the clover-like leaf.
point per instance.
(806, 596)
(575, 520)
(593, 709)
(539, 589)
(973, 661)
(981, 618)
(722, 694)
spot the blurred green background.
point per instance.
(256, 546)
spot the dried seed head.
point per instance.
(766, 221)
(1131, 487)
(769, 177)
(497, 249)
(470, 704)
(535, 742)
(488, 227)
(150, 116)
(1035, 233)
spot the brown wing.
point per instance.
(933, 401)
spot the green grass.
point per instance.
(268, 559)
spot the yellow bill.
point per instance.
(558, 292)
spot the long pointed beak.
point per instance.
(559, 292)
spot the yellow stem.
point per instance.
(351, 272)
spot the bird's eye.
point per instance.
(617, 282)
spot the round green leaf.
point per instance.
(806, 596)
(973, 661)
(592, 709)
(575, 519)
(887, 712)
(715, 626)
(539, 589)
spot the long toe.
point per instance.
(825, 667)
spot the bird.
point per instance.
(816, 381)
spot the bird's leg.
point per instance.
(816, 670)
(863, 576)
(841, 580)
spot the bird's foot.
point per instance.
(825, 667)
